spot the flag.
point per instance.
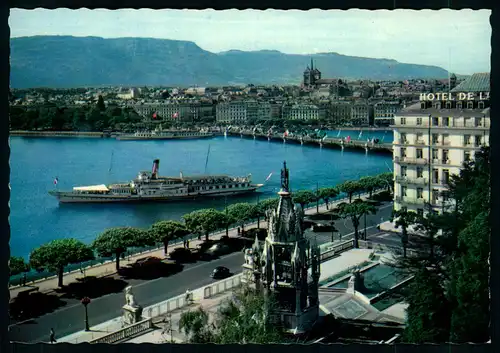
(348, 138)
(154, 115)
(285, 134)
(175, 115)
(56, 180)
(269, 176)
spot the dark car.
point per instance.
(220, 272)
(181, 255)
(147, 261)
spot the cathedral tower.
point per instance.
(287, 265)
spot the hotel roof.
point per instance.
(415, 109)
(476, 83)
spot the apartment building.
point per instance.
(303, 112)
(432, 139)
(176, 110)
(384, 112)
(361, 114)
(234, 112)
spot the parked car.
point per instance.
(181, 255)
(147, 261)
(220, 272)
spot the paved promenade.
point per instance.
(108, 268)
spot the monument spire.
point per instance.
(284, 178)
(312, 67)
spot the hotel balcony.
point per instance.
(407, 160)
(442, 181)
(451, 125)
(411, 181)
(410, 200)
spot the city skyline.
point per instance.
(439, 43)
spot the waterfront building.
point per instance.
(175, 110)
(432, 139)
(287, 265)
(339, 112)
(303, 112)
(132, 93)
(361, 114)
(234, 112)
(384, 112)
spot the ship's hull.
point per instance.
(71, 197)
(142, 138)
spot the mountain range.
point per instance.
(65, 61)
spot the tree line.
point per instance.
(89, 117)
(57, 254)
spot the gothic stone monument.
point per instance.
(132, 312)
(287, 265)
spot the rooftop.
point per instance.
(479, 82)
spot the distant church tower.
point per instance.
(287, 266)
(311, 75)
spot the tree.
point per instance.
(18, 265)
(240, 212)
(100, 104)
(404, 219)
(349, 188)
(354, 211)
(385, 180)
(117, 240)
(256, 211)
(303, 198)
(58, 254)
(166, 231)
(195, 326)
(328, 193)
(204, 221)
(242, 319)
(369, 184)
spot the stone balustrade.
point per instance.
(125, 332)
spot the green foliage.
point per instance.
(449, 300)
(240, 212)
(269, 204)
(117, 240)
(166, 231)
(204, 221)
(242, 319)
(404, 219)
(354, 211)
(350, 188)
(303, 198)
(18, 265)
(100, 103)
(326, 194)
(59, 253)
(369, 183)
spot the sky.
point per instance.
(458, 41)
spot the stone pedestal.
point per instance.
(131, 314)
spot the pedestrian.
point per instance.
(24, 279)
(52, 336)
(187, 244)
(239, 231)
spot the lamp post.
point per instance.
(86, 301)
(225, 208)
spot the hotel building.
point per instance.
(433, 138)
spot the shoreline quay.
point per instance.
(336, 143)
(25, 133)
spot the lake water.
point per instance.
(386, 136)
(36, 217)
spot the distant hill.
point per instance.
(65, 61)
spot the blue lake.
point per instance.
(36, 217)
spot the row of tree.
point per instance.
(58, 254)
(92, 117)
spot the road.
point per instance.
(70, 318)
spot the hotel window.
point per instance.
(420, 153)
(419, 121)
(480, 105)
(446, 121)
(420, 172)
(435, 196)
(448, 105)
(467, 140)
(404, 171)
(446, 156)
(467, 156)
(404, 190)
(470, 105)
(446, 139)
(477, 140)
(403, 121)
(435, 121)
(459, 105)
(435, 175)
(420, 137)
(420, 193)
(422, 105)
(435, 139)
(403, 152)
(403, 138)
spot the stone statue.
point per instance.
(129, 297)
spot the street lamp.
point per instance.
(86, 301)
